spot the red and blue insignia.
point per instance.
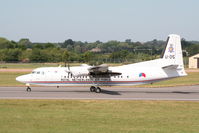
(142, 75)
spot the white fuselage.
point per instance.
(133, 74)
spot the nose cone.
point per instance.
(22, 78)
(19, 78)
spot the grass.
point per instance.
(9, 78)
(104, 116)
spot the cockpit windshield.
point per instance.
(33, 72)
(37, 72)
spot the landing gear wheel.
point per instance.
(92, 89)
(28, 89)
(98, 90)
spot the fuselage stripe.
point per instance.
(94, 82)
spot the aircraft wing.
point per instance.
(101, 70)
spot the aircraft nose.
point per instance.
(21, 78)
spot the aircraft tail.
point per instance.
(172, 54)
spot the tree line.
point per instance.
(86, 52)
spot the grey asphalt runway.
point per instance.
(184, 93)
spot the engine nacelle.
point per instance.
(79, 71)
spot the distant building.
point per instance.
(194, 61)
(96, 50)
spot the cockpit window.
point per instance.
(33, 72)
(37, 72)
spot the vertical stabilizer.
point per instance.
(173, 54)
(173, 51)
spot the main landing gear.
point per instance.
(95, 89)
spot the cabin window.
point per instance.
(127, 76)
(121, 76)
(43, 73)
(38, 72)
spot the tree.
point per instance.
(194, 49)
(26, 42)
(3, 54)
(120, 55)
(88, 56)
(49, 45)
(77, 49)
(65, 57)
(128, 41)
(53, 54)
(38, 46)
(4, 43)
(67, 42)
(109, 47)
(38, 56)
(12, 54)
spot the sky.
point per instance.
(104, 20)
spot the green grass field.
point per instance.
(102, 116)
(8, 79)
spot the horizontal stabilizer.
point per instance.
(170, 67)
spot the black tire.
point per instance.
(98, 90)
(92, 89)
(28, 89)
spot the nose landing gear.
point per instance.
(28, 89)
(95, 89)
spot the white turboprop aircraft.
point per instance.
(170, 65)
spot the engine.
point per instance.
(80, 71)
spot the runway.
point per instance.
(183, 93)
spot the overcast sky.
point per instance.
(91, 20)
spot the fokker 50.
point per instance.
(170, 65)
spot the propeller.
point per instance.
(68, 67)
